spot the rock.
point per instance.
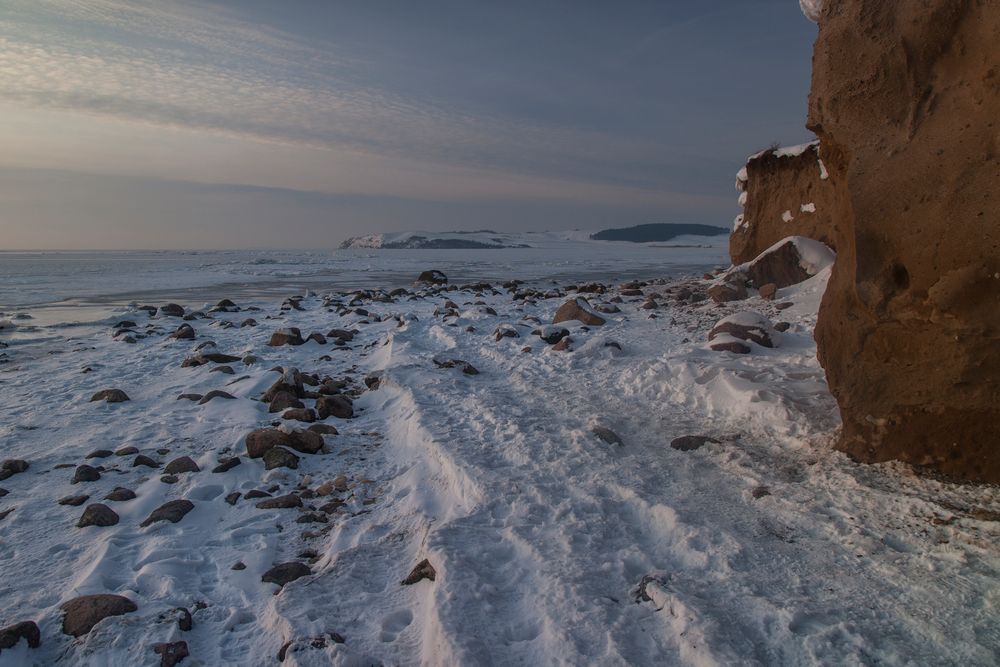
(307, 415)
(110, 396)
(99, 454)
(217, 357)
(283, 400)
(908, 328)
(768, 291)
(74, 501)
(323, 429)
(312, 517)
(225, 370)
(26, 630)
(727, 343)
(759, 492)
(289, 336)
(505, 331)
(97, 515)
(726, 291)
(120, 494)
(127, 451)
(172, 310)
(432, 278)
(340, 334)
(552, 334)
(563, 345)
(239, 565)
(279, 457)
(747, 326)
(423, 570)
(789, 262)
(232, 497)
(225, 465)
(373, 380)
(85, 473)
(143, 460)
(183, 332)
(340, 483)
(466, 367)
(172, 511)
(11, 467)
(171, 653)
(782, 326)
(226, 306)
(689, 443)
(317, 337)
(307, 442)
(285, 573)
(169, 479)
(181, 465)
(334, 406)
(257, 493)
(84, 612)
(260, 441)
(248, 322)
(607, 435)
(578, 309)
(281, 502)
(215, 393)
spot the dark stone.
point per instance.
(289, 336)
(607, 435)
(432, 278)
(143, 460)
(240, 565)
(285, 573)
(172, 310)
(257, 493)
(279, 457)
(423, 570)
(171, 653)
(312, 517)
(183, 332)
(74, 501)
(307, 415)
(225, 465)
(231, 498)
(184, 620)
(259, 442)
(180, 465)
(689, 443)
(323, 429)
(86, 611)
(97, 515)
(120, 494)
(281, 502)
(466, 367)
(126, 451)
(110, 396)
(284, 400)
(169, 479)
(26, 630)
(215, 393)
(172, 511)
(99, 454)
(337, 406)
(85, 473)
(307, 442)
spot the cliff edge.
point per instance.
(905, 100)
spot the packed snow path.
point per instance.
(551, 545)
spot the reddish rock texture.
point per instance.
(906, 102)
(777, 187)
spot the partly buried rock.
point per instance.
(552, 334)
(172, 511)
(745, 326)
(727, 343)
(307, 415)
(287, 501)
(279, 457)
(432, 278)
(183, 332)
(85, 473)
(262, 440)
(26, 630)
(338, 405)
(171, 653)
(607, 435)
(287, 336)
(689, 443)
(789, 262)
(225, 465)
(505, 331)
(120, 494)
(466, 367)
(215, 393)
(110, 396)
(181, 464)
(11, 467)
(731, 287)
(285, 573)
(86, 611)
(172, 310)
(284, 400)
(97, 515)
(578, 309)
(423, 570)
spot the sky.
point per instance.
(164, 124)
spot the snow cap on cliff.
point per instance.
(812, 9)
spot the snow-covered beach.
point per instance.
(567, 516)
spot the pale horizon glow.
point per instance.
(130, 124)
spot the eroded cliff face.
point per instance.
(785, 192)
(906, 102)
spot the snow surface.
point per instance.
(551, 547)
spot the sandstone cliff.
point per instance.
(906, 102)
(784, 192)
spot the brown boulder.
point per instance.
(110, 396)
(580, 310)
(432, 278)
(263, 439)
(289, 336)
(728, 290)
(26, 630)
(909, 327)
(748, 325)
(86, 611)
(337, 406)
